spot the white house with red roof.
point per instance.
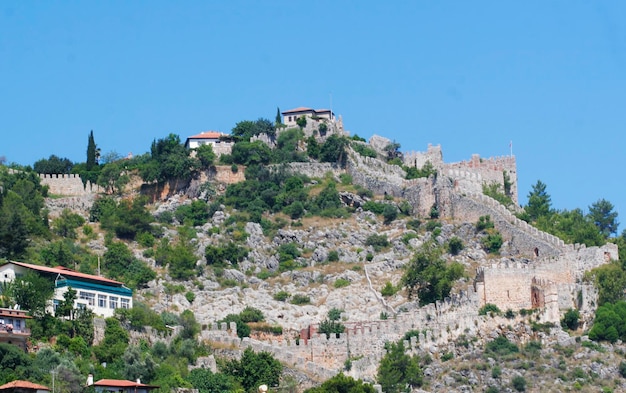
(203, 138)
(119, 386)
(221, 143)
(99, 294)
(290, 116)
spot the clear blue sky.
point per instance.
(469, 75)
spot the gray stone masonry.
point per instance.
(68, 185)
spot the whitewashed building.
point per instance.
(290, 116)
(100, 295)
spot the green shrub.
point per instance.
(408, 236)
(374, 207)
(484, 222)
(190, 296)
(455, 245)
(334, 314)
(489, 308)
(519, 383)
(145, 239)
(369, 257)
(501, 346)
(329, 327)
(390, 213)
(622, 369)
(434, 212)
(341, 282)
(243, 330)
(389, 289)
(281, 296)
(333, 256)
(298, 299)
(378, 242)
(447, 356)
(492, 242)
(413, 224)
(432, 225)
(411, 333)
(571, 319)
(251, 314)
(345, 179)
(533, 347)
(288, 251)
(229, 283)
(364, 150)
(221, 255)
(496, 372)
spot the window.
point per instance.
(125, 302)
(289, 118)
(90, 297)
(112, 301)
(102, 301)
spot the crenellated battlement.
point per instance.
(68, 184)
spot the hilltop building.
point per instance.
(290, 116)
(221, 143)
(99, 294)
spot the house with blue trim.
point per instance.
(100, 295)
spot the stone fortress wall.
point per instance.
(554, 281)
(364, 341)
(68, 185)
(469, 176)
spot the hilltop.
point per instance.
(404, 247)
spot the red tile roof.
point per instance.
(300, 109)
(304, 109)
(121, 383)
(23, 385)
(66, 272)
(207, 135)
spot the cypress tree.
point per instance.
(91, 152)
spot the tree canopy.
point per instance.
(604, 217)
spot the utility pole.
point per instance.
(53, 372)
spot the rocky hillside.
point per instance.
(297, 270)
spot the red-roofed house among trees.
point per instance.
(18, 386)
(120, 386)
(13, 328)
(221, 143)
(99, 294)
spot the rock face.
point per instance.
(338, 266)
